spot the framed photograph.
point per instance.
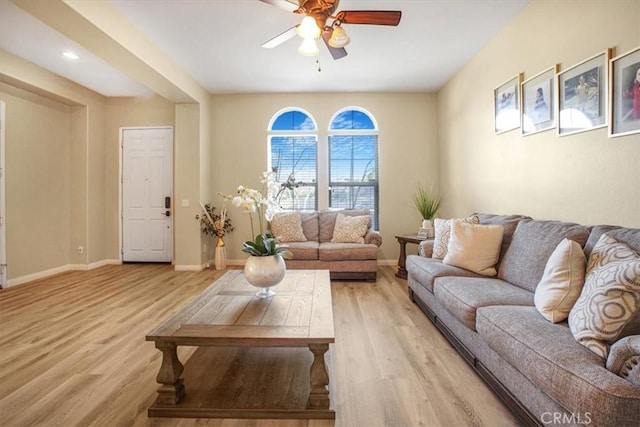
(506, 105)
(625, 94)
(538, 101)
(582, 95)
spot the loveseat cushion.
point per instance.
(346, 251)
(532, 244)
(549, 357)
(426, 270)
(462, 296)
(327, 221)
(303, 250)
(310, 226)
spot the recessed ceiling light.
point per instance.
(70, 55)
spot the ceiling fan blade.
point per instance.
(336, 52)
(371, 17)
(289, 6)
(280, 38)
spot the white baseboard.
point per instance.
(62, 269)
(390, 262)
(187, 267)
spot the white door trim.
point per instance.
(3, 220)
(120, 182)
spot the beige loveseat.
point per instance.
(314, 249)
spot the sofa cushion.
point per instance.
(462, 296)
(549, 357)
(310, 226)
(509, 222)
(327, 221)
(426, 270)
(346, 251)
(287, 227)
(561, 282)
(350, 229)
(610, 298)
(474, 247)
(443, 233)
(303, 250)
(630, 236)
(531, 246)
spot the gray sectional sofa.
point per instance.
(345, 261)
(537, 367)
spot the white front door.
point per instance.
(147, 199)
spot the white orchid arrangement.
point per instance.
(263, 204)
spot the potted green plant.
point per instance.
(427, 202)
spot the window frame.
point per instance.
(314, 133)
(356, 132)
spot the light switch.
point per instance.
(185, 203)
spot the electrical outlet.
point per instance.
(80, 250)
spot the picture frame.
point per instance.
(583, 102)
(423, 233)
(539, 101)
(506, 105)
(624, 72)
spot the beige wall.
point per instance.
(587, 177)
(126, 112)
(37, 136)
(407, 150)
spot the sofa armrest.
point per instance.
(373, 237)
(624, 358)
(425, 248)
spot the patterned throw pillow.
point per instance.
(443, 233)
(350, 229)
(287, 227)
(610, 297)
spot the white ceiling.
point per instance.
(218, 43)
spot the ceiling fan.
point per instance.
(322, 21)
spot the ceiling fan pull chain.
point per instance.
(318, 62)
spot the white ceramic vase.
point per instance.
(263, 272)
(428, 225)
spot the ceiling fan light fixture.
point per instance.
(339, 37)
(309, 47)
(308, 29)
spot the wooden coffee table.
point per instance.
(228, 314)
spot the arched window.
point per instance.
(353, 161)
(293, 156)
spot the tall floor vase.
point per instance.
(220, 256)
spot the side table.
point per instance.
(402, 260)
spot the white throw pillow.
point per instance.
(610, 297)
(442, 233)
(350, 229)
(561, 282)
(287, 227)
(474, 247)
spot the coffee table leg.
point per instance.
(319, 395)
(172, 389)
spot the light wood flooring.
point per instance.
(73, 353)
